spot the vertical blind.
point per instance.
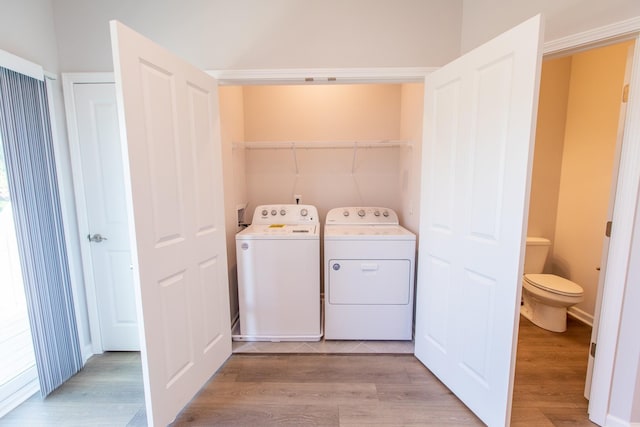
(25, 131)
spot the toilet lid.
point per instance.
(553, 283)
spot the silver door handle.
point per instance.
(96, 238)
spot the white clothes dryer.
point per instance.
(369, 275)
(278, 258)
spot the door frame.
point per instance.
(624, 212)
(69, 80)
(626, 198)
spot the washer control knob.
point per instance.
(361, 213)
(385, 214)
(283, 212)
(345, 213)
(274, 212)
(265, 212)
(304, 212)
(377, 213)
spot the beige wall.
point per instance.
(325, 177)
(587, 164)
(362, 112)
(547, 157)
(411, 113)
(232, 131)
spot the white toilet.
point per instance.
(546, 297)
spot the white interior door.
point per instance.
(109, 265)
(477, 154)
(169, 114)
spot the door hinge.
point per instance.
(607, 231)
(592, 351)
(625, 93)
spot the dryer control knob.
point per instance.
(274, 212)
(265, 212)
(283, 212)
(345, 213)
(377, 213)
(361, 213)
(385, 213)
(304, 212)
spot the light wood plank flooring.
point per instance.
(106, 392)
(326, 389)
(550, 375)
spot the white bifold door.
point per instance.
(480, 113)
(168, 112)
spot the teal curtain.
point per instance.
(25, 131)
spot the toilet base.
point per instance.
(547, 317)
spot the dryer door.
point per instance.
(369, 281)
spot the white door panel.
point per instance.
(173, 158)
(98, 141)
(479, 120)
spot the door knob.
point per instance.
(96, 238)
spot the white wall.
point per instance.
(27, 30)
(223, 34)
(484, 19)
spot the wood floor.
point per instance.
(550, 375)
(106, 392)
(329, 390)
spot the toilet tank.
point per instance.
(536, 254)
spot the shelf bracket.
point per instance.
(295, 157)
(353, 161)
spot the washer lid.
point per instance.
(279, 231)
(555, 284)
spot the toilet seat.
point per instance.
(554, 284)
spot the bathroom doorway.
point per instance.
(578, 141)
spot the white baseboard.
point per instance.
(87, 352)
(580, 315)
(17, 397)
(617, 422)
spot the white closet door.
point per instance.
(98, 142)
(170, 126)
(479, 123)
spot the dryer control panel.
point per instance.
(285, 214)
(362, 215)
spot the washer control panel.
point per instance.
(285, 214)
(362, 215)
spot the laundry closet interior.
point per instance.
(327, 144)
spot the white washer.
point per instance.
(369, 275)
(279, 275)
